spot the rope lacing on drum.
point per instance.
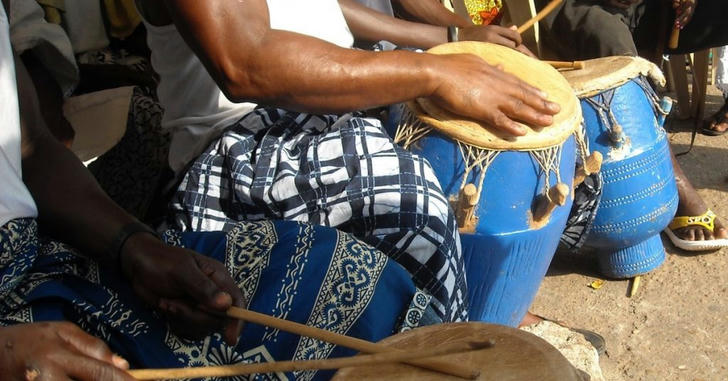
(548, 160)
(652, 95)
(607, 117)
(476, 157)
(410, 129)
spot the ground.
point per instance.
(674, 328)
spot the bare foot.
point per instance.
(691, 204)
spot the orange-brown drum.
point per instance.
(515, 355)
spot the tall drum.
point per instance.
(512, 196)
(623, 121)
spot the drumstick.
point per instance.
(544, 12)
(635, 285)
(674, 37)
(346, 341)
(290, 366)
(566, 64)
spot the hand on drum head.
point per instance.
(473, 88)
(495, 34)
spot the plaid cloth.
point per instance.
(339, 171)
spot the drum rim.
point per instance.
(483, 136)
(602, 74)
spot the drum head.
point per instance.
(533, 72)
(609, 72)
(516, 355)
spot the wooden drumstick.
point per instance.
(544, 12)
(467, 199)
(566, 64)
(557, 196)
(291, 366)
(674, 37)
(593, 164)
(346, 341)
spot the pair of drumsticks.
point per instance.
(378, 354)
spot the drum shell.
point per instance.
(506, 257)
(639, 197)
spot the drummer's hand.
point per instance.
(684, 10)
(496, 34)
(471, 87)
(191, 290)
(57, 351)
(624, 4)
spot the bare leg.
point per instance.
(691, 204)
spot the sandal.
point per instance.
(720, 117)
(707, 221)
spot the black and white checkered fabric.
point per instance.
(343, 172)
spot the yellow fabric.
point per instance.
(52, 10)
(123, 17)
(706, 220)
(483, 11)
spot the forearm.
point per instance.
(369, 25)
(292, 70)
(431, 12)
(70, 203)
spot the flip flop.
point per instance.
(707, 221)
(720, 117)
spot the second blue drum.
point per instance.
(623, 120)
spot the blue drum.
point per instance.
(511, 196)
(623, 120)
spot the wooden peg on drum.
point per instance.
(467, 200)
(546, 204)
(592, 165)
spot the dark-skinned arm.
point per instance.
(72, 206)
(370, 25)
(302, 73)
(429, 11)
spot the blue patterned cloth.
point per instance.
(309, 274)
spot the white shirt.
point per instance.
(15, 200)
(195, 109)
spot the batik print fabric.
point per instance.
(339, 171)
(304, 273)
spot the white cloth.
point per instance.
(15, 200)
(721, 75)
(195, 109)
(49, 42)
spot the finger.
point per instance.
(541, 105)
(505, 124)
(233, 327)
(518, 110)
(523, 49)
(516, 82)
(503, 41)
(89, 345)
(191, 320)
(83, 368)
(193, 279)
(511, 34)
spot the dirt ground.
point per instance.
(675, 328)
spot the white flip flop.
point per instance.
(706, 220)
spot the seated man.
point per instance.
(155, 302)
(598, 28)
(331, 167)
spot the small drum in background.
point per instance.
(623, 121)
(511, 195)
(516, 355)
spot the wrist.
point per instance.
(124, 241)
